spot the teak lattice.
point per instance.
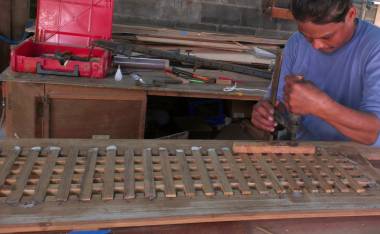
(33, 175)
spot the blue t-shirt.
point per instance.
(350, 76)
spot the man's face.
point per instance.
(327, 38)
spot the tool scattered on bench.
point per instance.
(234, 88)
(127, 49)
(152, 83)
(189, 75)
(142, 63)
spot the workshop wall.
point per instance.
(235, 16)
(232, 16)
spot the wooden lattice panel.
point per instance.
(31, 175)
(54, 184)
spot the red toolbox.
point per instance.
(62, 44)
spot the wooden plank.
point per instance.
(308, 183)
(22, 179)
(202, 170)
(276, 184)
(184, 42)
(274, 148)
(243, 185)
(64, 186)
(204, 36)
(284, 172)
(7, 165)
(226, 186)
(281, 13)
(255, 176)
(129, 174)
(187, 180)
(109, 174)
(47, 171)
(149, 183)
(167, 173)
(87, 179)
(317, 176)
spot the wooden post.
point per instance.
(377, 18)
(13, 16)
(5, 30)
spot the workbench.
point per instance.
(41, 106)
(56, 185)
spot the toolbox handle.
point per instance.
(42, 71)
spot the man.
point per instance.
(339, 57)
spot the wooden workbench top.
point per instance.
(90, 184)
(183, 90)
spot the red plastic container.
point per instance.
(67, 27)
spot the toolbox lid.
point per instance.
(74, 22)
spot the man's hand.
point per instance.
(262, 116)
(303, 97)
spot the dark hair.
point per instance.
(320, 11)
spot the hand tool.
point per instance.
(143, 63)
(282, 116)
(189, 75)
(154, 82)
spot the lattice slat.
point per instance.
(47, 171)
(149, 183)
(22, 180)
(129, 175)
(109, 174)
(87, 180)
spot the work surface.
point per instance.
(88, 184)
(176, 90)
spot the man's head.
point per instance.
(326, 24)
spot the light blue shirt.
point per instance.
(350, 76)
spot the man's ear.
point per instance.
(351, 14)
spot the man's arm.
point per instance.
(359, 126)
(303, 98)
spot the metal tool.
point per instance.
(143, 63)
(127, 48)
(189, 75)
(274, 88)
(282, 116)
(152, 83)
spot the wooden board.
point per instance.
(192, 35)
(90, 184)
(274, 148)
(282, 13)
